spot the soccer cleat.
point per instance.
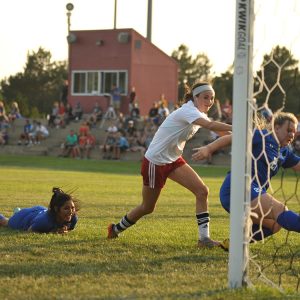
(225, 245)
(111, 234)
(208, 243)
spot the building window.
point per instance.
(79, 80)
(92, 82)
(111, 78)
(99, 82)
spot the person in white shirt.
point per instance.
(163, 160)
(40, 133)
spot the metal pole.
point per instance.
(115, 15)
(69, 21)
(69, 8)
(149, 21)
(241, 145)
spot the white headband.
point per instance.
(202, 88)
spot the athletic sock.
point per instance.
(203, 225)
(289, 220)
(123, 224)
(260, 233)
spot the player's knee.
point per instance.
(276, 228)
(202, 193)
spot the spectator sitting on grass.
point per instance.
(96, 114)
(25, 135)
(40, 133)
(82, 142)
(120, 146)
(109, 142)
(53, 116)
(3, 116)
(14, 112)
(90, 144)
(3, 137)
(68, 114)
(135, 112)
(84, 128)
(77, 111)
(86, 144)
(70, 147)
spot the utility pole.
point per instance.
(115, 15)
(149, 20)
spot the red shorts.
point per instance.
(155, 176)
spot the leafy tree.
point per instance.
(190, 70)
(280, 81)
(279, 71)
(38, 86)
(223, 85)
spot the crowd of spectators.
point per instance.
(123, 133)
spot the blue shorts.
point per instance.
(225, 192)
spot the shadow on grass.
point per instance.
(116, 261)
(65, 255)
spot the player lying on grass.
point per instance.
(270, 150)
(60, 217)
(163, 160)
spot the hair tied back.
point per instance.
(57, 190)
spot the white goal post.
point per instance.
(241, 145)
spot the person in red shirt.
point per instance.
(90, 144)
(84, 128)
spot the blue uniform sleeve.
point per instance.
(291, 159)
(43, 223)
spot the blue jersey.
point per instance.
(38, 219)
(268, 157)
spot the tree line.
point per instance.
(38, 86)
(41, 82)
(277, 80)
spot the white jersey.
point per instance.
(169, 140)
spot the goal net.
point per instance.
(266, 81)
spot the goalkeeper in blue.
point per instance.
(270, 150)
(59, 217)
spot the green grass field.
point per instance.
(155, 259)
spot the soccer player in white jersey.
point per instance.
(163, 160)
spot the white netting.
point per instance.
(276, 259)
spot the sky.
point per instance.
(203, 26)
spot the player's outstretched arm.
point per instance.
(213, 125)
(203, 152)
